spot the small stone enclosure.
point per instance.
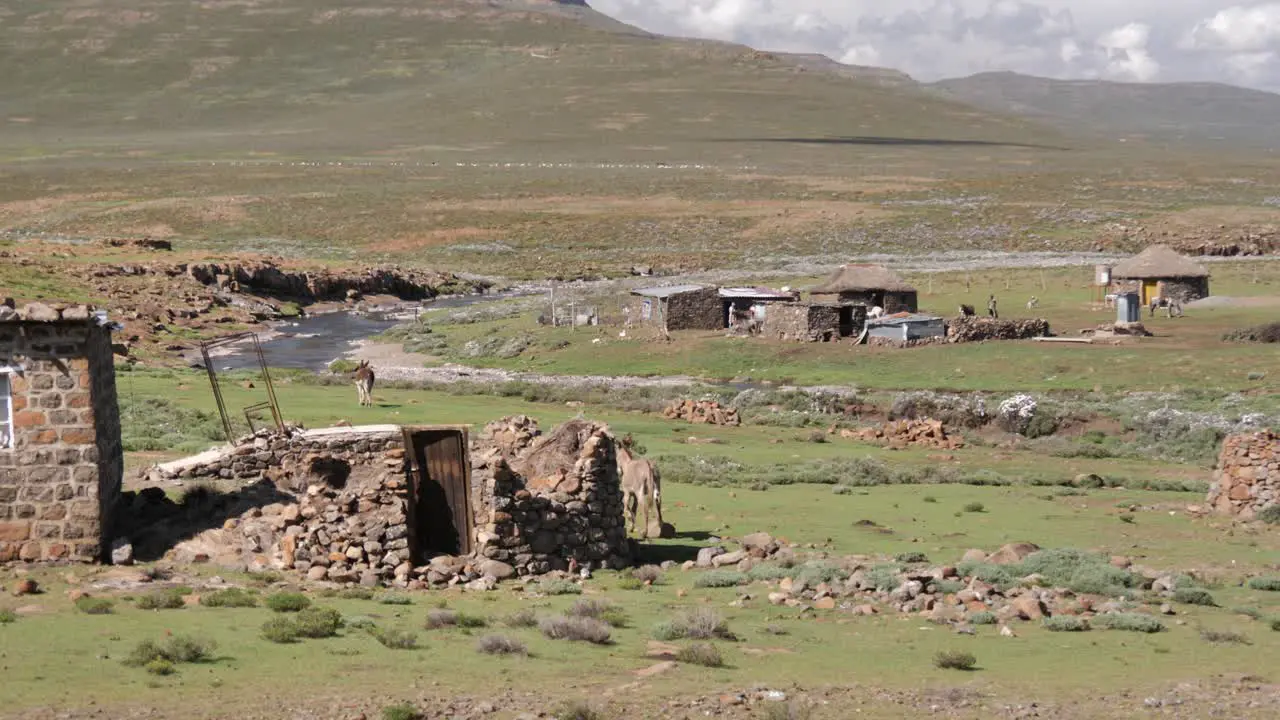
(411, 507)
(61, 462)
(1247, 479)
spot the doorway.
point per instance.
(846, 320)
(1150, 291)
(439, 498)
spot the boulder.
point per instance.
(497, 570)
(1029, 607)
(1012, 553)
(732, 558)
(707, 555)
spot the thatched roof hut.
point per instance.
(854, 278)
(1157, 263)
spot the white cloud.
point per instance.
(1138, 40)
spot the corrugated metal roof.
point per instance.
(905, 319)
(666, 290)
(755, 293)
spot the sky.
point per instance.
(1126, 40)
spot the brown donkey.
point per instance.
(364, 383)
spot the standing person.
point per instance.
(992, 312)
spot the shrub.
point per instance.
(525, 618)
(948, 586)
(648, 574)
(437, 619)
(884, 577)
(1268, 584)
(559, 587)
(288, 602)
(908, 558)
(841, 490)
(578, 710)
(697, 624)
(143, 653)
(402, 711)
(576, 629)
(501, 645)
(280, 630)
(784, 711)
(161, 600)
(1193, 596)
(1249, 612)
(975, 507)
(769, 573)
(1275, 625)
(394, 599)
(1078, 571)
(630, 583)
(1065, 623)
(229, 598)
(704, 654)
(720, 579)
(178, 649)
(160, 666)
(264, 578)
(668, 630)
(94, 605)
(929, 499)
(318, 622)
(355, 593)
(955, 660)
(983, 617)
(1132, 622)
(1270, 514)
(394, 639)
(1222, 637)
(7, 616)
(600, 610)
(1042, 424)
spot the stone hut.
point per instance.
(1159, 271)
(61, 462)
(1247, 479)
(680, 307)
(406, 507)
(812, 322)
(869, 286)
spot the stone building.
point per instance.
(61, 462)
(1247, 479)
(810, 322)
(680, 307)
(1159, 271)
(869, 286)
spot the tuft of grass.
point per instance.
(401, 711)
(769, 573)
(1224, 637)
(704, 654)
(394, 639)
(955, 660)
(559, 587)
(1270, 515)
(395, 599)
(437, 619)
(501, 645)
(785, 711)
(318, 622)
(280, 630)
(578, 710)
(1275, 624)
(1266, 584)
(525, 618)
(720, 579)
(355, 593)
(648, 574)
(576, 629)
(1065, 623)
(908, 558)
(1249, 612)
(630, 583)
(230, 598)
(94, 605)
(975, 507)
(697, 624)
(929, 499)
(7, 616)
(288, 602)
(1132, 622)
(983, 617)
(178, 649)
(170, 599)
(599, 610)
(160, 666)
(1194, 596)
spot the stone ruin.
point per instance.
(702, 412)
(900, 434)
(1247, 479)
(348, 505)
(979, 329)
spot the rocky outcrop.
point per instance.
(702, 412)
(977, 329)
(1247, 479)
(907, 433)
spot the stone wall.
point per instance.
(805, 322)
(1247, 479)
(892, 302)
(695, 310)
(979, 329)
(1185, 289)
(60, 482)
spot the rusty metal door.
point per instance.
(439, 502)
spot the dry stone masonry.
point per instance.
(702, 412)
(976, 329)
(61, 462)
(1247, 480)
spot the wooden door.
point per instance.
(439, 502)
(1150, 290)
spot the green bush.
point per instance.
(1270, 514)
(318, 622)
(884, 577)
(769, 573)
(720, 579)
(1223, 637)
(948, 586)
(908, 558)
(704, 654)
(143, 653)
(355, 593)
(1193, 596)
(94, 605)
(1275, 624)
(160, 666)
(602, 610)
(696, 624)
(1132, 622)
(630, 583)
(7, 616)
(559, 587)
(161, 600)
(1267, 584)
(288, 602)
(178, 649)
(394, 639)
(955, 660)
(975, 507)
(1042, 424)
(157, 424)
(525, 618)
(402, 711)
(230, 598)
(501, 645)
(394, 599)
(576, 629)
(983, 617)
(281, 630)
(1065, 623)
(578, 710)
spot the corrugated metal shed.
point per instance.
(754, 293)
(666, 291)
(907, 326)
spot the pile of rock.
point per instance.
(703, 412)
(1108, 330)
(1247, 479)
(979, 329)
(41, 312)
(898, 434)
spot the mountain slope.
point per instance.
(1177, 111)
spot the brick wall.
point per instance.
(59, 483)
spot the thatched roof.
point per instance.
(1158, 261)
(861, 278)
